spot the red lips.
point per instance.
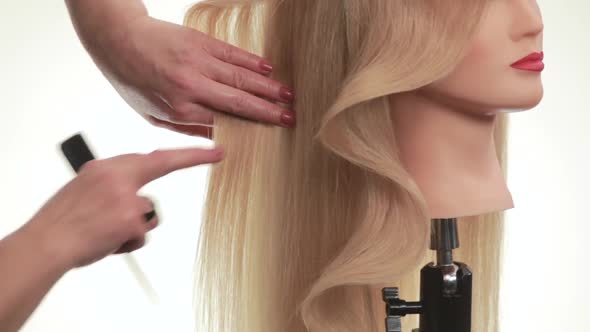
(532, 62)
(535, 56)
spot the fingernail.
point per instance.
(265, 66)
(288, 118)
(286, 94)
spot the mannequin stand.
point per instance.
(445, 288)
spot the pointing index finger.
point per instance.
(158, 163)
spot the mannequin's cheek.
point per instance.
(479, 55)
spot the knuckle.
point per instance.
(99, 172)
(238, 104)
(181, 81)
(157, 158)
(227, 53)
(271, 86)
(106, 181)
(92, 166)
(239, 80)
(184, 55)
(108, 178)
(184, 82)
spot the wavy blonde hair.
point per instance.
(303, 227)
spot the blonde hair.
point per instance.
(303, 227)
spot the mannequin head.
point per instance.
(302, 228)
(484, 81)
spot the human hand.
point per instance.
(99, 212)
(177, 77)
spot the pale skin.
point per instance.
(445, 130)
(176, 77)
(96, 214)
(448, 124)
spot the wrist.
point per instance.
(46, 247)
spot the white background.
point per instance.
(50, 89)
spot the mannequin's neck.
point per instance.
(452, 157)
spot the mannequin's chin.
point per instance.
(522, 97)
(517, 109)
(514, 109)
(522, 102)
(524, 105)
